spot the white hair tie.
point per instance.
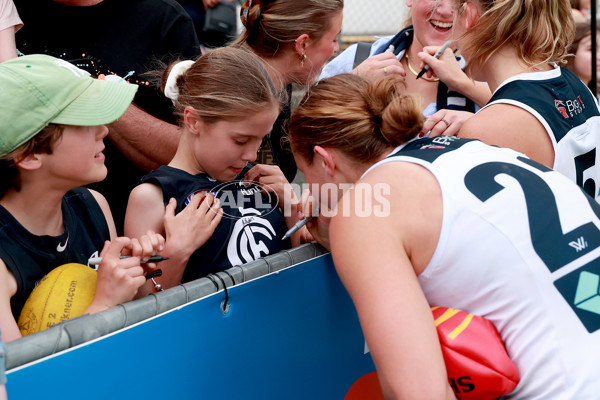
(171, 88)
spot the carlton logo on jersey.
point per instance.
(248, 205)
(249, 238)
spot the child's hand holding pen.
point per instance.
(120, 270)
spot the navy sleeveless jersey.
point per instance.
(566, 108)
(251, 227)
(30, 257)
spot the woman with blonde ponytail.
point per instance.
(538, 107)
(451, 222)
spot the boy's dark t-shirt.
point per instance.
(30, 257)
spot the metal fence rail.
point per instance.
(82, 329)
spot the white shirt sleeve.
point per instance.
(9, 15)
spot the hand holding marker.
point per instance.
(437, 55)
(298, 225)
(152, 259)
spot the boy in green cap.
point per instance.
(53, 118)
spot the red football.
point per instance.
(476, 359)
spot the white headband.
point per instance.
(171, 88)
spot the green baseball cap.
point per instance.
(38, 89)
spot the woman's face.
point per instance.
(460, 20)
(582, 65)
(432, 21)
(318, 52)
(323, 187)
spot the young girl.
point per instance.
(227, 104)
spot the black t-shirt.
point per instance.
(30, 257)
(113, 39)
(251, 227)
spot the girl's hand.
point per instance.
(144, 247)
(272, 180)
(193, 226)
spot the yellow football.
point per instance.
(66, 292)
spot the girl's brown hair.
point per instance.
(361, 119)
(224, 84)
(541, 30)
(271, 25)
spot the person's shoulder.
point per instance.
(401, 196)
(97, 196)
(146, 207)
(146, 192)
(503, 124)
(470, 128)
(166, 172)
(402, 182)
(80, 194)
(489, 123)
(85, 199)
(397, 172)
(496, 118)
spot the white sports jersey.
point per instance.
(569, 113)
(519, 245)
